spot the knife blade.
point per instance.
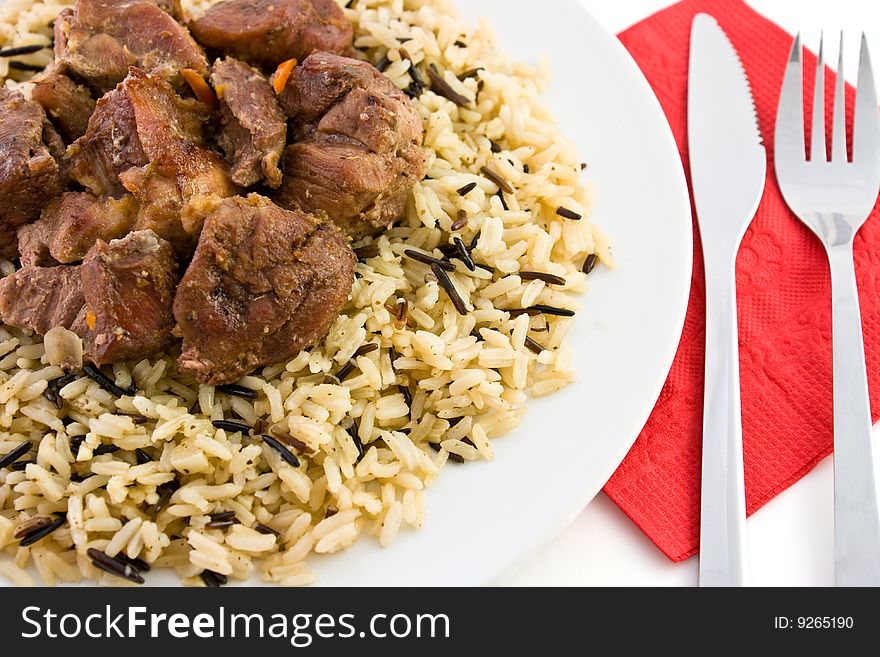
(728, 173)
(728, 158)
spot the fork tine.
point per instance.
(838, 143)
(818, 153)
(790, 143)
(866, 131)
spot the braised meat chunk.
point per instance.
(254, 129)
(71, 225)
(357, 151)
(145, 139)
(69, 105)
(128, 287)
(172, 190)
(41, 298)
(268, 32)
(264, 284)
(29, 175)
(133, 125)
(118, 300)
(100, 39)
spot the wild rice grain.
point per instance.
(383, 64)
(496, 178)
(141, 456)
(232, 426)
(22, 66)
(283, 452)
(96, 375)
(446, 284)
(366, 349)
(42, 532)
(551, 279)
(568, 214)
(590, 263)
(290, 440)
(220, 524)
(367, 252)
(237, 391)
(401, 314)
(556, 312)
(21, 50)
(15, 454)
(53, 389)
(114, 566)
(345, 371)
(461, 222)
(407, 395)
(428, 260)
(442, 88)
(356, 439)
(467, 189)
(471, 73)
(75, 443)
(534, 346)
(464, 254)
(265, 529)
(212, 579)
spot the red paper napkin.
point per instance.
(784, 308)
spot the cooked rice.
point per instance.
(465, 390)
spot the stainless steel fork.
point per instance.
(834, 198)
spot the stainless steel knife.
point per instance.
(728, 172)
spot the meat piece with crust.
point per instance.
(118, 300)
(69, 105)
(99, 40)
(41, 298)
(254, 129)
(357, 147)
(128, 286)
(29, 175)
(145, 139)
(132, 125)
(71, 224)
(264, 284)
(268, 32)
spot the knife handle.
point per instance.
(723, 556)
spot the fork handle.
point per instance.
(856, 518)
(723, 547)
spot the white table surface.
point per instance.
(790, 538)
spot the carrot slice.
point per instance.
(282, 75)
(91, 320)
(200, 88)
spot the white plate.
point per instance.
(484, 519)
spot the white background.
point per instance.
(791, 538)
